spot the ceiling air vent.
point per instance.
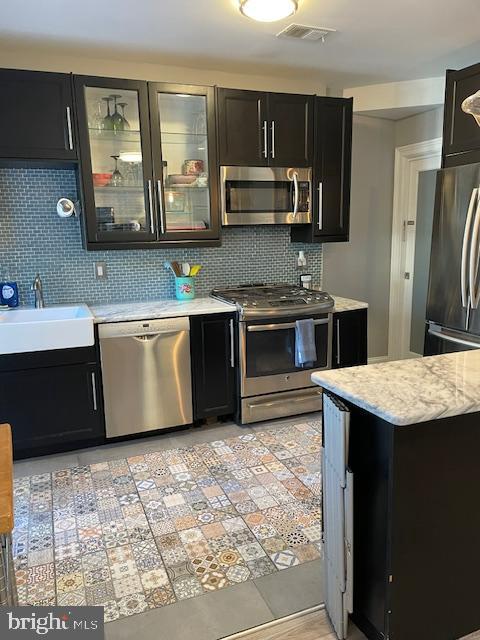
(302, 32)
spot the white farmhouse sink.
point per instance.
(59, 327)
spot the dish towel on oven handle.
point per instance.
(305, 348)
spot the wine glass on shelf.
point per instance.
(122, 105)
(117, 178)
(95, 121)
(107, 120)
(117, 119)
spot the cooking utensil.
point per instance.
(195, 269)
(168, 265)
(177, 268)
(186, 268)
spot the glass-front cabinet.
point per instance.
(148, 163)
(183, 144)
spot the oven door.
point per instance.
(267, 355)
(265, 195)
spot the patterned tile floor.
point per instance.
(143, 532)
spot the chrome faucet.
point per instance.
(38, 288)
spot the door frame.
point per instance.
(410, 160)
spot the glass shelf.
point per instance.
(129, 135)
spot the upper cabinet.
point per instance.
(36, 116)
(461, 133)
(264, 129)
(331, 173)
(184, 161)
(147, 163)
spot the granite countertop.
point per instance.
(158, 309)
(409, 391)
(346, 304)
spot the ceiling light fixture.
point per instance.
(471, 105)
(268, 10)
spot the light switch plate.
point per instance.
(101, 270)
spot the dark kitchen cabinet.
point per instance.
(36, 116)
(414, 487)
(291, 129)
(242, 127)
(349, 338)
(52, 399)
(461, 133)
(331, 173)
(213, 350)
(184, 147)
(264, 129)
(148, 164)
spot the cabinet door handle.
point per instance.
(232, 345)
(320, 205)
(94, 391)
(265, 140)
(338, 341)
(70, 131)
(272, 128)
(150, 205)
(160, 204)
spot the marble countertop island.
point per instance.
(409, 391)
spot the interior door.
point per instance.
(451, 237)
(242, 128)
(290, 123)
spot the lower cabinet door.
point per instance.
(349, 338)
(50, 407)
(213, 365)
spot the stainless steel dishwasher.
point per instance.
(147, 381)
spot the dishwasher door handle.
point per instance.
(146, 337)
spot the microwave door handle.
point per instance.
(295, 194)
(465, 248)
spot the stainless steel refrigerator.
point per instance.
(453, 313)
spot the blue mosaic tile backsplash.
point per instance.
(34, 239)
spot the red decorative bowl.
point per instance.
(101, 179)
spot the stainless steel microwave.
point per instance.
(266, 195)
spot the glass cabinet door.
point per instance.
(118, 186)
(184, 160)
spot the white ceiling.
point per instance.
(377, 40)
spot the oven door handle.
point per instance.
(281, 325)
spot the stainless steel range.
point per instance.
(271, 386)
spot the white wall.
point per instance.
(424, 126)
(358, 269)
(361, 268)
(125, 68)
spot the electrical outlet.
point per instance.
(101, 270)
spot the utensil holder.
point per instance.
(185, 288)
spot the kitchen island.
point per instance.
(413, 449)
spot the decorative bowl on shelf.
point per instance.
(179, 178)
(101, 179)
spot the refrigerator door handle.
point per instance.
(473, 263)
(465, 248)
(451, 336)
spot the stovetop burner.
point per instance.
(275, 299)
